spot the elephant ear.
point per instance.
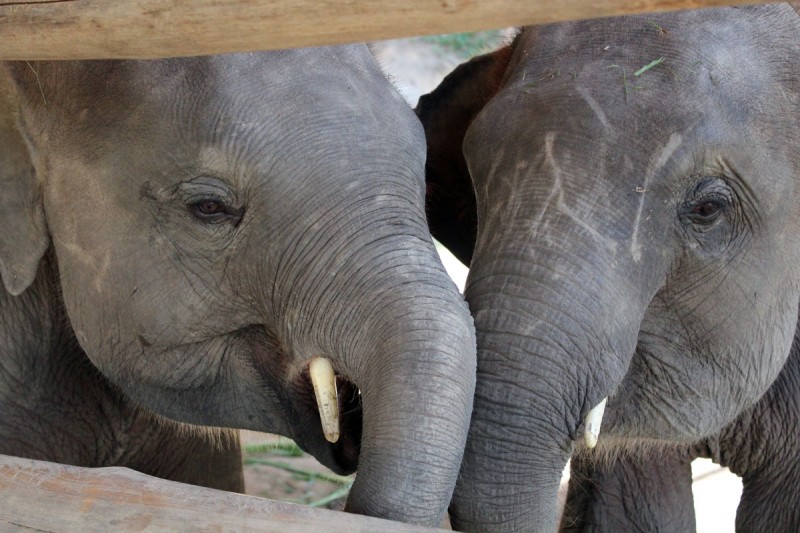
(23, 232)
(446, 114)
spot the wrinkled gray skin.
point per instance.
(637, 239)
(199, 229)
(653, 491)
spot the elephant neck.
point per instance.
(762, 447)
(50, 394)
(763, 440)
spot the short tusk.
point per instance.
(323, 378)
(591, 424)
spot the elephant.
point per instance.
(234, 241)
(625, 193)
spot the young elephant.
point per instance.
(187, 237)
(637, 222)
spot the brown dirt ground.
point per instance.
(303, 485)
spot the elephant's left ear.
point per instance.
(24, 237)
(446, 114)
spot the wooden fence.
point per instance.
(86, 29)
(42, 496)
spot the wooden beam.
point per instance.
(86, 29)
(41, 496)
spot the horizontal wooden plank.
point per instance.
(42, 496)
(85, 29)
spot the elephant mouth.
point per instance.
(304, 420)
(345, 447)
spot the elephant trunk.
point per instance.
(417, 404)
(557, 325)
(396, 328)
(416, 415)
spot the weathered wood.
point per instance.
(42, 496)
(85, 29)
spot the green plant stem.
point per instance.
(648, 66)
(333, 478)
(38, 82)
(283, 448)
(340, 493)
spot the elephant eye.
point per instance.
(211, 200)
(209, 210)
(705, 212)
(706, 202)
(209, 207)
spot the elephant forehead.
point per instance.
(253, 102)
(573, 109)
(700, 63)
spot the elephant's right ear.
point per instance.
(23, 231)
(446, 114)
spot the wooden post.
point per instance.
(42, 496)
(86, 29)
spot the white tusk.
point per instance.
(591, 424)
(323, 378)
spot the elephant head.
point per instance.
(237, 237)
(635, 183)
